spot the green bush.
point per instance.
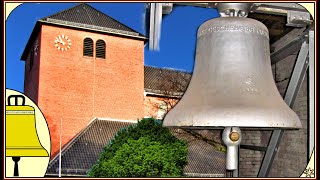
(143, 150)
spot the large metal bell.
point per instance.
(232, 82)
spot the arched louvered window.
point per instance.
(101, 49)
(88, 47)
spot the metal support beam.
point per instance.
(297, 76)
(254, 148)
(277, 8)
(311, 94)
(151, 24)
(288, 49)
(155, 25)
(272, 150)
(267, 8)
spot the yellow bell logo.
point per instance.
(21, 134)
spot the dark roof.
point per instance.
(83, 151)
(83, 16)
(204, 160)
(163, 81)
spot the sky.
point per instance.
(177, 42)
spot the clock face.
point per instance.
(62, 42)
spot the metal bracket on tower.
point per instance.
(298, 19)
(277, 8)
(296, 79)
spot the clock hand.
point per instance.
(63, 43)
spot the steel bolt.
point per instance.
(234, 136)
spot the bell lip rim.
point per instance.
(29, 156)
(42, 152)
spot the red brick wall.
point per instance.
(31, 75)
(76, 89)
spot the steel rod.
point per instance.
(151, 30)
(311, 93)
(157, 25)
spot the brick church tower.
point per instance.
(82, 64)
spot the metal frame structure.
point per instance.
(305, 59)
(293, 88)
(297, 17)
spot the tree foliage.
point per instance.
(143, 150)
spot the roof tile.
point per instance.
(165, 81)
(85, 16)
(84, 150)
